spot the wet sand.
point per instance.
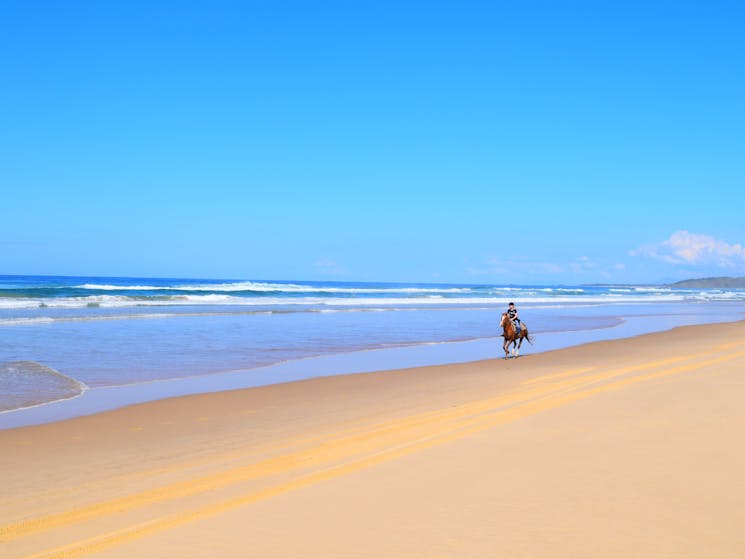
(624, 448)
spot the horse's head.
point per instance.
(505, 320)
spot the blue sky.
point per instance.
(478, 142)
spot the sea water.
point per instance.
(60, 336)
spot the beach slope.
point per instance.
(627, 448)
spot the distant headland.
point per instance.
(716, 283)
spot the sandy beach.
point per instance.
(625, 448)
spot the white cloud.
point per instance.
(693, 249)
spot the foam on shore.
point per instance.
(26, 384)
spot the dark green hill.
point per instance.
(715, 283)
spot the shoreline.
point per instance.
(97, 399)
(561, 454)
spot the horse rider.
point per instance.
(512, 314)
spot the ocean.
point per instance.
(66, 337)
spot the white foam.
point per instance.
(420, 297)
(112, 301)
(25, 321)
(18, 303)
(100, 287)
(26, 384)
(48, 319)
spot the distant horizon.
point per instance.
(383, 282)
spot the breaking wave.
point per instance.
(94, 293)
(265, 287)
(115, 301)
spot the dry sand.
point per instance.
(629, 448)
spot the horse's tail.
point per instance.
(529, 337)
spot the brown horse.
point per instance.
(512, 337)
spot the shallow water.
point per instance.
(27, 383)
(109, 397)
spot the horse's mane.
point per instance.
(506, 324)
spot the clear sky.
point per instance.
(477, 142)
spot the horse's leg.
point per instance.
(521, 342)
(504, 347)
(519, 345)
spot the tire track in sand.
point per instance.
(350, 453)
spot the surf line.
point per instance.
(452, 428)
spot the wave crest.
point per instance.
(265, 287)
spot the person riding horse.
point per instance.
(513, 331)
(512, 313)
